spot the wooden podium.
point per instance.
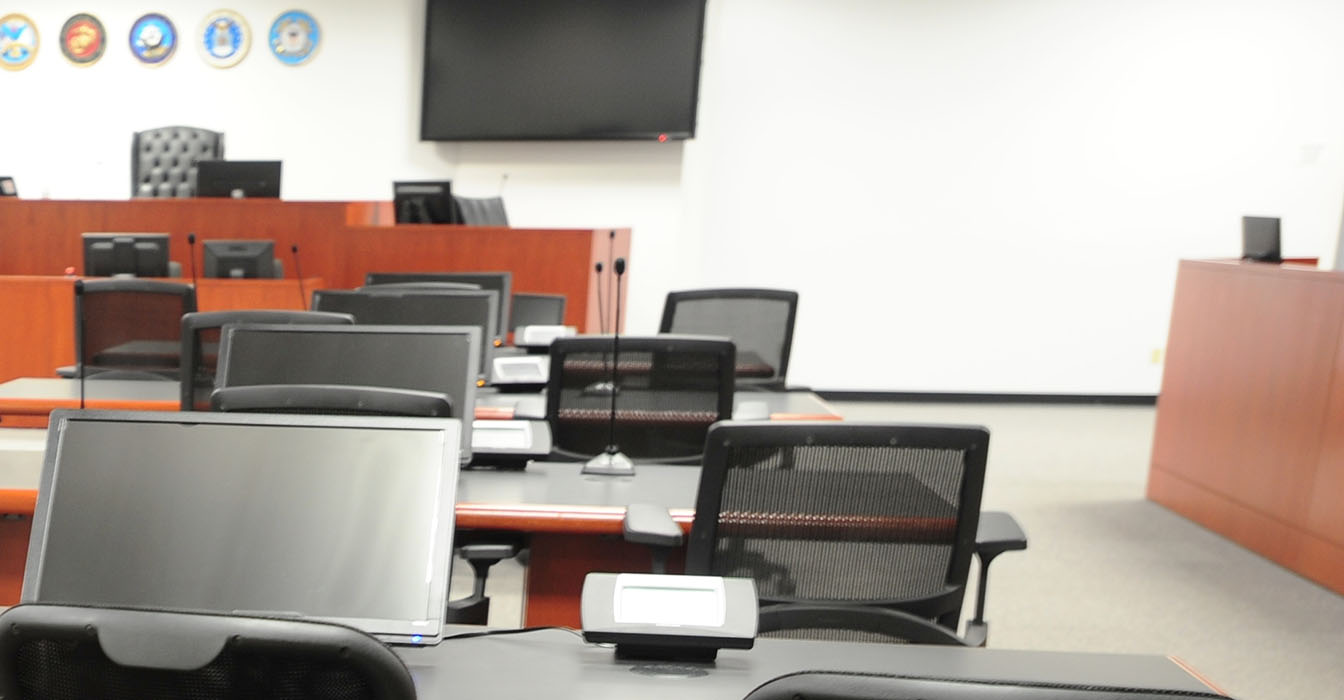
(1249, 440)
(338, 244)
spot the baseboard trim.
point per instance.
(965, 397)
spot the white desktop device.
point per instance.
(541, 336)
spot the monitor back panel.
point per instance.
(436, 358)
(337, 518)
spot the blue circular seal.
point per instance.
(294, 37)
(18, 42)
(153, 39)
(224, 39)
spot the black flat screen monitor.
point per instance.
(1260, 239)
(136, 254)
(537, 310)
(501, 282)
(239, 259)
(420, 308)
(425, 203)
(238, 178)
(598, 69)
(337, 518)
(441, 359)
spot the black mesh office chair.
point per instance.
(130, 326)
(759, 321)
(163, 160)
(669, 390)
(851, 530)
(58, 652)
(839, 685)
(200, 345)
(483, 211)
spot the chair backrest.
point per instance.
(759, 321)
(669, 390)
(842, 512)
(200, 345)
(379, 305)
(163, 160)
(439, 359)
(331, 399)
(500, 281)
(483, 211)
(537, 310)
(130, 324)
(840, 685)
(64, 651)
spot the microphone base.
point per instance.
(608, 463)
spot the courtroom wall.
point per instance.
(974, 195)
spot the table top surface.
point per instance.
(42, 391)
(557, 663)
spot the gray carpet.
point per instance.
(1106, 570)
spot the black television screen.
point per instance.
(561, 70)
(238, 178)
(136, 254)
(245, 259)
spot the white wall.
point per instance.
(970, 195)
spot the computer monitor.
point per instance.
(425, 203)
(1260, 239)
(240, 259)
(538, 310)
(7, 187)
(336, 518)
(440, 358)
(420, 308)
(135, 254)
(238, 178)
(501, 282)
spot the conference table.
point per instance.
(554, 663)
(572, 521)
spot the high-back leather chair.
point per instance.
(163, 160)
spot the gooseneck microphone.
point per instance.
(612, 461)
(303, 297)
(191, 248)
(81, 340)
(611, 258)
(601, 309)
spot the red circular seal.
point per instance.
(83, 39)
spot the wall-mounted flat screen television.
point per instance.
(502, 70)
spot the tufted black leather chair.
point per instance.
(163, 160)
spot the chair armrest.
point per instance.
(997, 533)
(646, 523)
